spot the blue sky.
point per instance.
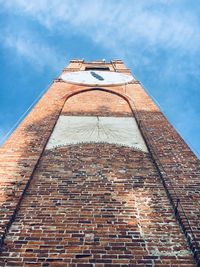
(158, 40)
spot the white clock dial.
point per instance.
(96, 78)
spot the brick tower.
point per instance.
(96, 176)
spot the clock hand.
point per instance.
(97, 76)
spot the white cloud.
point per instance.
(123, 21)
(121, 26)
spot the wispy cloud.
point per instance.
(121, 26)
(124, 21)
(36, 52)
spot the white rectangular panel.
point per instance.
(86, 129)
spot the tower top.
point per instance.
(97, 73)
(116, 65)
(96, 61)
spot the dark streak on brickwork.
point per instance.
(144, 193)
(179, 166)
(21, 152)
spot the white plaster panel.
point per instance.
(84, 129)
(96, 78)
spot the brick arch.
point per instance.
(97, 116)
(82, 90)
(124, 109)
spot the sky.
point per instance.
(159, 40)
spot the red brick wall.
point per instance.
(178, 165)
(22, 160)
(19, 155)
(109, 209)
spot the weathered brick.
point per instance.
(96, 204)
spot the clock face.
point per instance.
(96, 78)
